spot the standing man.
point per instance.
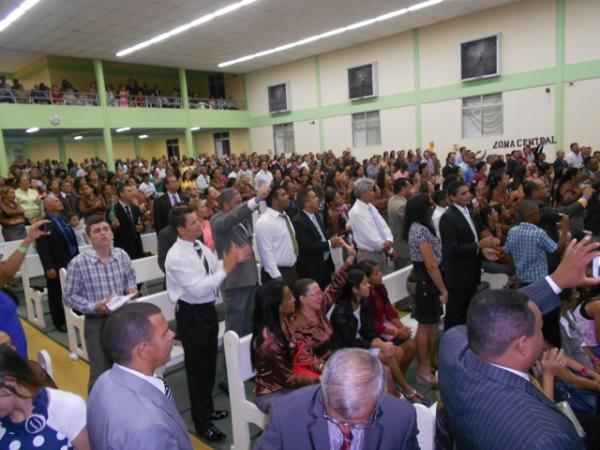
(193, 276)
(130, 408)
(574, 157)
(93, 279)
(263, 177)
(396, 208)
(233, 225)
(164, 203)
(56, 250)
(129, 223)
(276, 240)
(371, 233)
(70, 202)
(461, 253)
(314, 257)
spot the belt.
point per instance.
(179, 301)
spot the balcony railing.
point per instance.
(47, 97)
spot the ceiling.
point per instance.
(98, 29)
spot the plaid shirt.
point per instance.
(90, 280)
(528, 245)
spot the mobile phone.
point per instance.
(596, 267)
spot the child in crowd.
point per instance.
(78, 228)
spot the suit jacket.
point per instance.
(297, 423)
(54, 248)
(126, 236)
(162, 206)
(460, 254)
(490, 408)
(396, 210)
(165, 240)
(235, 226)
(74, 204)
(345, 325)
(310, 263)
(126, 412)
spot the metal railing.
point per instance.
(47, 97)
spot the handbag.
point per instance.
(304, 362)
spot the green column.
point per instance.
(97, 148)
(559, 101)
(319, 102)
(106, 133)
(137, 145)
(3, 158)
(62, 151)
(189, 141)
(417, 83)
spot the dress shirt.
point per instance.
(173, 198)
(203, 181)
(148, 189)
(528, 245)
(465, 212)
(315, 222)
(31, 203)
(336, 438)
(248, 173)
(263, 177)
(368, 234)
(574, 159)
(90, 280)
(435, 219)
(154, 381)
(274, 242)
(186, 275)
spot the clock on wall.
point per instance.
(55, 120)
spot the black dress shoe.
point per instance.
(212, 434)
(218, 415)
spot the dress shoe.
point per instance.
(212, 434)
(218, 415)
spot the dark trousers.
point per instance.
(198, 329)
(99, 360)
(458, 304)
(55, 302)
(288, 273)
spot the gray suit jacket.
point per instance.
(235, 226)
(396, 208)
(126, 413)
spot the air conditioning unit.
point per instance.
(279, 98)
(362, 81)
(480, 58)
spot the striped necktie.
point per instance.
(168, 391)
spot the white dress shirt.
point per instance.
(574, 159)
(263, 177)
(465, 212)
(154, 381)
(274, 242)
(186, 276)
(369, 229)
(202, 182)
(435, 219)
(148, 189)
(248, 173)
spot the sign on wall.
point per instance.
(522, 142)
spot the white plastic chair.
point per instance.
(75, 325)
(239, 369)
(34, 299)
(149, 242)
(395, 283)
(45, 360)
(495, 280)
(426, 426)
(146, 269)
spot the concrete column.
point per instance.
(137, 145)
(62, 151)
(3, 157)
(189, 141)
(106, 133)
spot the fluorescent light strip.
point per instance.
(120, 130)
(185, 27)
(194, 128)
(77, 138)
(16, 13)
(32, 130)
(317, 37)
(143, 136)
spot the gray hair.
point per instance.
(226, 196)
(351, 377)
(362, 185)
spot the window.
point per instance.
(366, 129)
(222, 147)
(278, 98)
(482, 116)
(173, 148)
(216, 85)
(283, 135)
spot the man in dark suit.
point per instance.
(314, 256)
(164, 203)
(56, 250)
(484, 384)
(128, 224)
(461, 253)
(349, 405)
(69, 201)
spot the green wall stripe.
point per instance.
(416, 38)
(559, 100)
(319, 102)
(250, 144)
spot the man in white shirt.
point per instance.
(574, 157)
(264, 176)
(442, 201)
(276, 239)
(129, 406)
(245, 170)
(146, 186)
(193, 276)
(203, 180)
(371, 233)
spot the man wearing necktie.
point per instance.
(69, 201)
(56, 250)
(314, 257)
(129, 226)
(164, 203)
(194, 275)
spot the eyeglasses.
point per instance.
(351, 426)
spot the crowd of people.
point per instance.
(329, 227)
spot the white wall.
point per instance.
(582, 20)
(262, 139)
(306, 137)
(581, 113)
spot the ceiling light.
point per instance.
(120, 130)
(185, 27)
(32, 130)
(143, 136)
(354, 26)
(194, 128)
(16, 13)
(77, 138)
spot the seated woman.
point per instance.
(271, 352)
(385, 317)
(309, 326)
(491, 225)
(38, 370)
(91, 202)
(352, 322)
(25, 402)
(587, 316)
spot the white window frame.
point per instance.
(366, 129)
(283, 138)
(477, 110)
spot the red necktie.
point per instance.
(69, 205)
(347, 443)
